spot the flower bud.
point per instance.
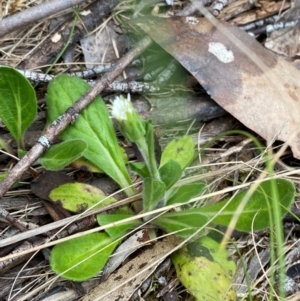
(132, 126)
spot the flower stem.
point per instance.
(149, 158)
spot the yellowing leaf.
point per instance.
(180, 150)
(202, 275)
(77, 197)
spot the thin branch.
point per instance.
(34, 14)
(128, 87)
(55, 128)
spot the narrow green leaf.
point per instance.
(118, 215)
(170, 173)
(139, 168)
(204, 263)
(151, 146)
(17, 101)
(82, 258)
(153, 193)
(258, 208)
(181, 150)
(93, 125)
(77, 197)
(184, 221)
(185, 192)
(62, 154)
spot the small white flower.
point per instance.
(122, 106)
(130, 123)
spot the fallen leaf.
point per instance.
(122, 284)
(247, 80)
(129, 246)
(206, 270)
(285, 41)
(77, 197)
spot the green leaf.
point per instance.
(139, 168)
(258, 208)
(118, 215)
(170, 173)
(153, 193)
(93, 125)
(62, 154)
(202, 267)
(182, 221)
(21, 153)
(150, 142)
(4, 145)
(212, 250)
(82, 258)
(181, 150)
(77, 197)
(18, 103)
(83, 163)
(185, 193)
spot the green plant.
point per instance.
(160, 189)
(93, 137)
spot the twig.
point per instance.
(33, 14)
(218, 6)
(125, 87)
(63, 121)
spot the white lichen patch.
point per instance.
(56, 37)
(223, 54)
(85, 12)
(44, 141)
(191, 20)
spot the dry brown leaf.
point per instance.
(263, 9)
(122, 284)
(247, 80)
(285, 41)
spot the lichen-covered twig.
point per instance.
(125, 87)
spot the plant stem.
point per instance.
(149, 158)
